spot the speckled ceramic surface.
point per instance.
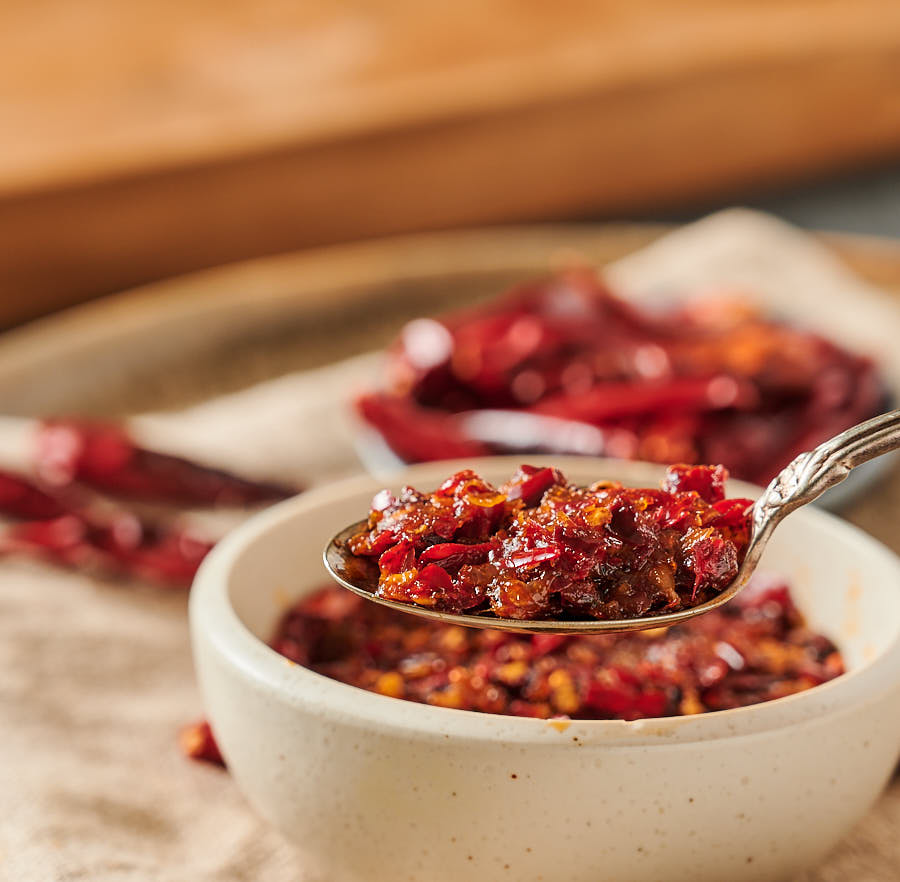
(371, 788)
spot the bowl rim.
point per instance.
(215, 624)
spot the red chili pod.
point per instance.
(106, 458)
(20, 498)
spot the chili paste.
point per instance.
(540, 547)
(753, 649)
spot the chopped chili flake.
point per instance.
(539, 547)
(198, 742)
(754, 649)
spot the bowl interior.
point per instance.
(847, 585)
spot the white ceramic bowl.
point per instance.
(374, 789)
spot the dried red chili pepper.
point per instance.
(72, 529)
(123, 546)
(20, 498)
(104, 457)
(66, 522)
(416, 439)
(702, 383)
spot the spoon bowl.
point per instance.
(360, 575)
(806, 478)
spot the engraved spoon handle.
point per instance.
(812, 473)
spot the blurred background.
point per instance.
(142, 140)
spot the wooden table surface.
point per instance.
(149, 138)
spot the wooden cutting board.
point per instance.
(149, 138)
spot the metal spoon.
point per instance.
(805, 479)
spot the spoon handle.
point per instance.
(813, 472)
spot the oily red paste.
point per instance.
(540, 547)
(753, 649)
(712, 381)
